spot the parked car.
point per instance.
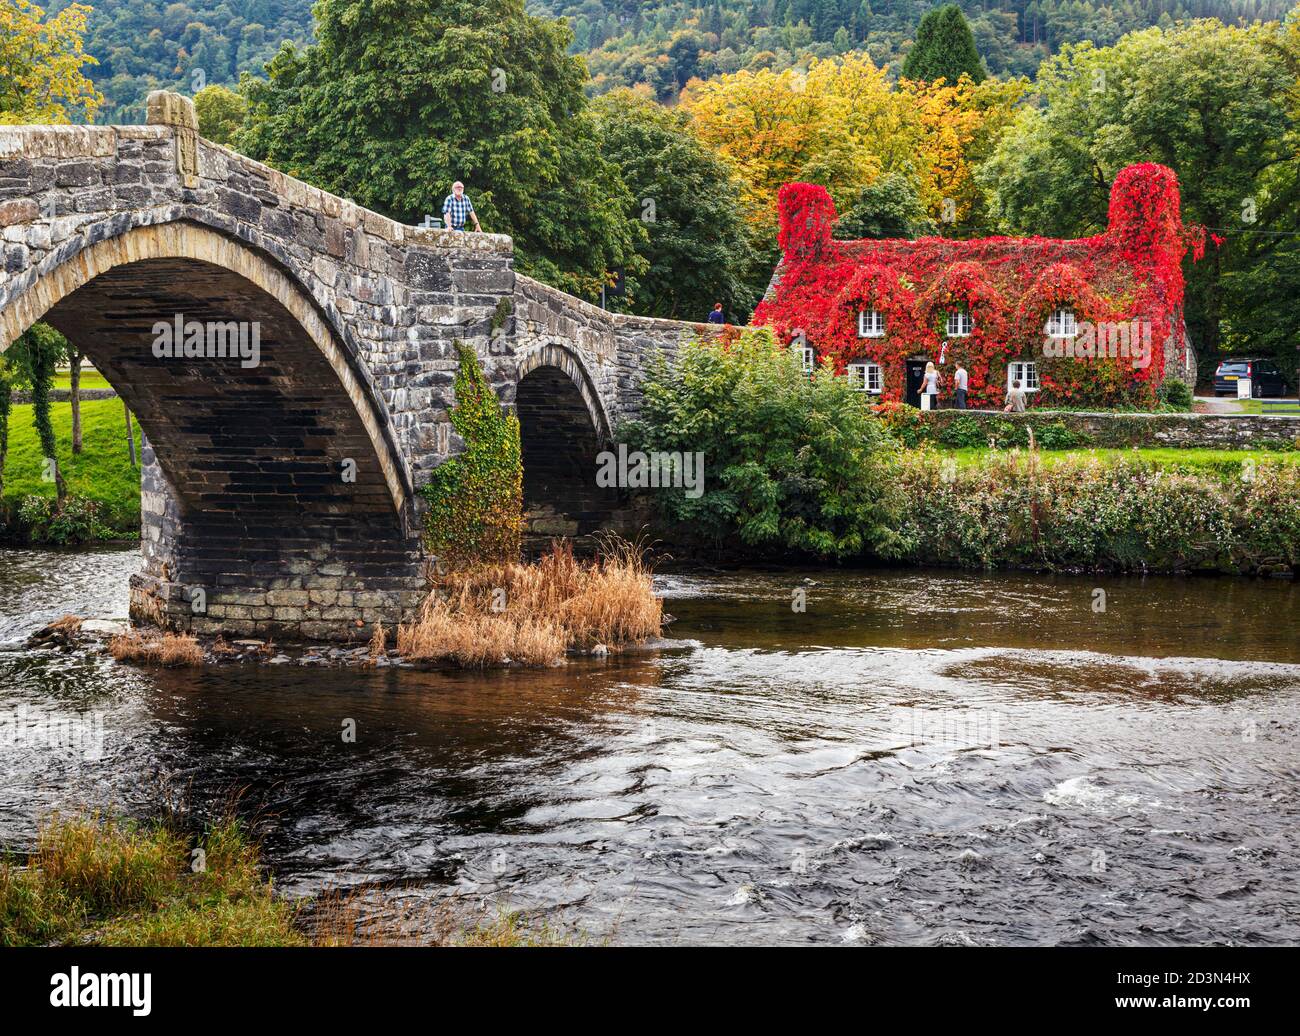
(1265, 377)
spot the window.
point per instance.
(959, 323)
(809, 358)
(871, 324)
(1062, 324)
(865, 377)
(1024, 371)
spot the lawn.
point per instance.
(1257, 406)
(102, 471)
(1217, 460)
(90, 379)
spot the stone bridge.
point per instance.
(280, 497)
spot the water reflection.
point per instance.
(917, 758)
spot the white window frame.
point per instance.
(866, 377)
(808, 358)
(1022, 369)
(963, 322)
(1062, 324)
(871, 323)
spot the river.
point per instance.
(913, 758)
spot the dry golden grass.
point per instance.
(532, 614)
(169, 649)
(69, 625)
(379, 642)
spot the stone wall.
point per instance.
(1108, 430)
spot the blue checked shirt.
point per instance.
(456, 210)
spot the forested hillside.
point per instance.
(142, 45)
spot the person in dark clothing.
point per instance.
(716, 316)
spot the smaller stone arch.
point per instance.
(566, 359)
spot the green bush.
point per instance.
(790, 461)
(45, 520)
(1086, 514)
(476, 498)
(1175, 394)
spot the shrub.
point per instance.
(1083, 513)
(790, 461)
(1175, 394)
(45, 520)
(476, 498)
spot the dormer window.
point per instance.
(959, 323)
(871, 324)
(865, 377)
(1062, 324)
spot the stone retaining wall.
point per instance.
(1185, 431)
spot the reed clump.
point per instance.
(533, 614)
(167, 649)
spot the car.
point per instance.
(1266, 378)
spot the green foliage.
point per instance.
(790, 461)
(99, 882)
(396, 101)
(475, 498)
(1175, 394)
(61, 522)
(221, 113)
(944, 48)
(101, 473)
(34, 357)
(696, 246)
(1084, 513)
(1215, 104)
(888, 208)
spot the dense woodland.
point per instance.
(144, 45)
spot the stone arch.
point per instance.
(192, 241)
(567, 359)
(563, 428)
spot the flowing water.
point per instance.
(915, 758)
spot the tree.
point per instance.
(697, 249)
(221, 113)
(793, 461)
(394, 102)
(35, 357)
(888, 208)
(944, 48)
(40, 65)
(1214, 103)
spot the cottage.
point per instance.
(1094, 321)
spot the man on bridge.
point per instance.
(457, 206)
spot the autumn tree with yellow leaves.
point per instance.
(41, 61)
(843, 125)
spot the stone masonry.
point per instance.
(282, 499)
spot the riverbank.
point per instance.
(103, 485)
(95, 880)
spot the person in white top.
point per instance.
(960, 381)
(930, 386)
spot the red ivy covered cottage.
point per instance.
(1095, 321)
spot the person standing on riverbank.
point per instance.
(960, 382)
(457, 207)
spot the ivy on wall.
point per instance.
(475, 499)
(1008, 285)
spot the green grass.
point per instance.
(94, 881)
(101, 472)
(1256, 406)
(1168, 457)
(90, 379)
